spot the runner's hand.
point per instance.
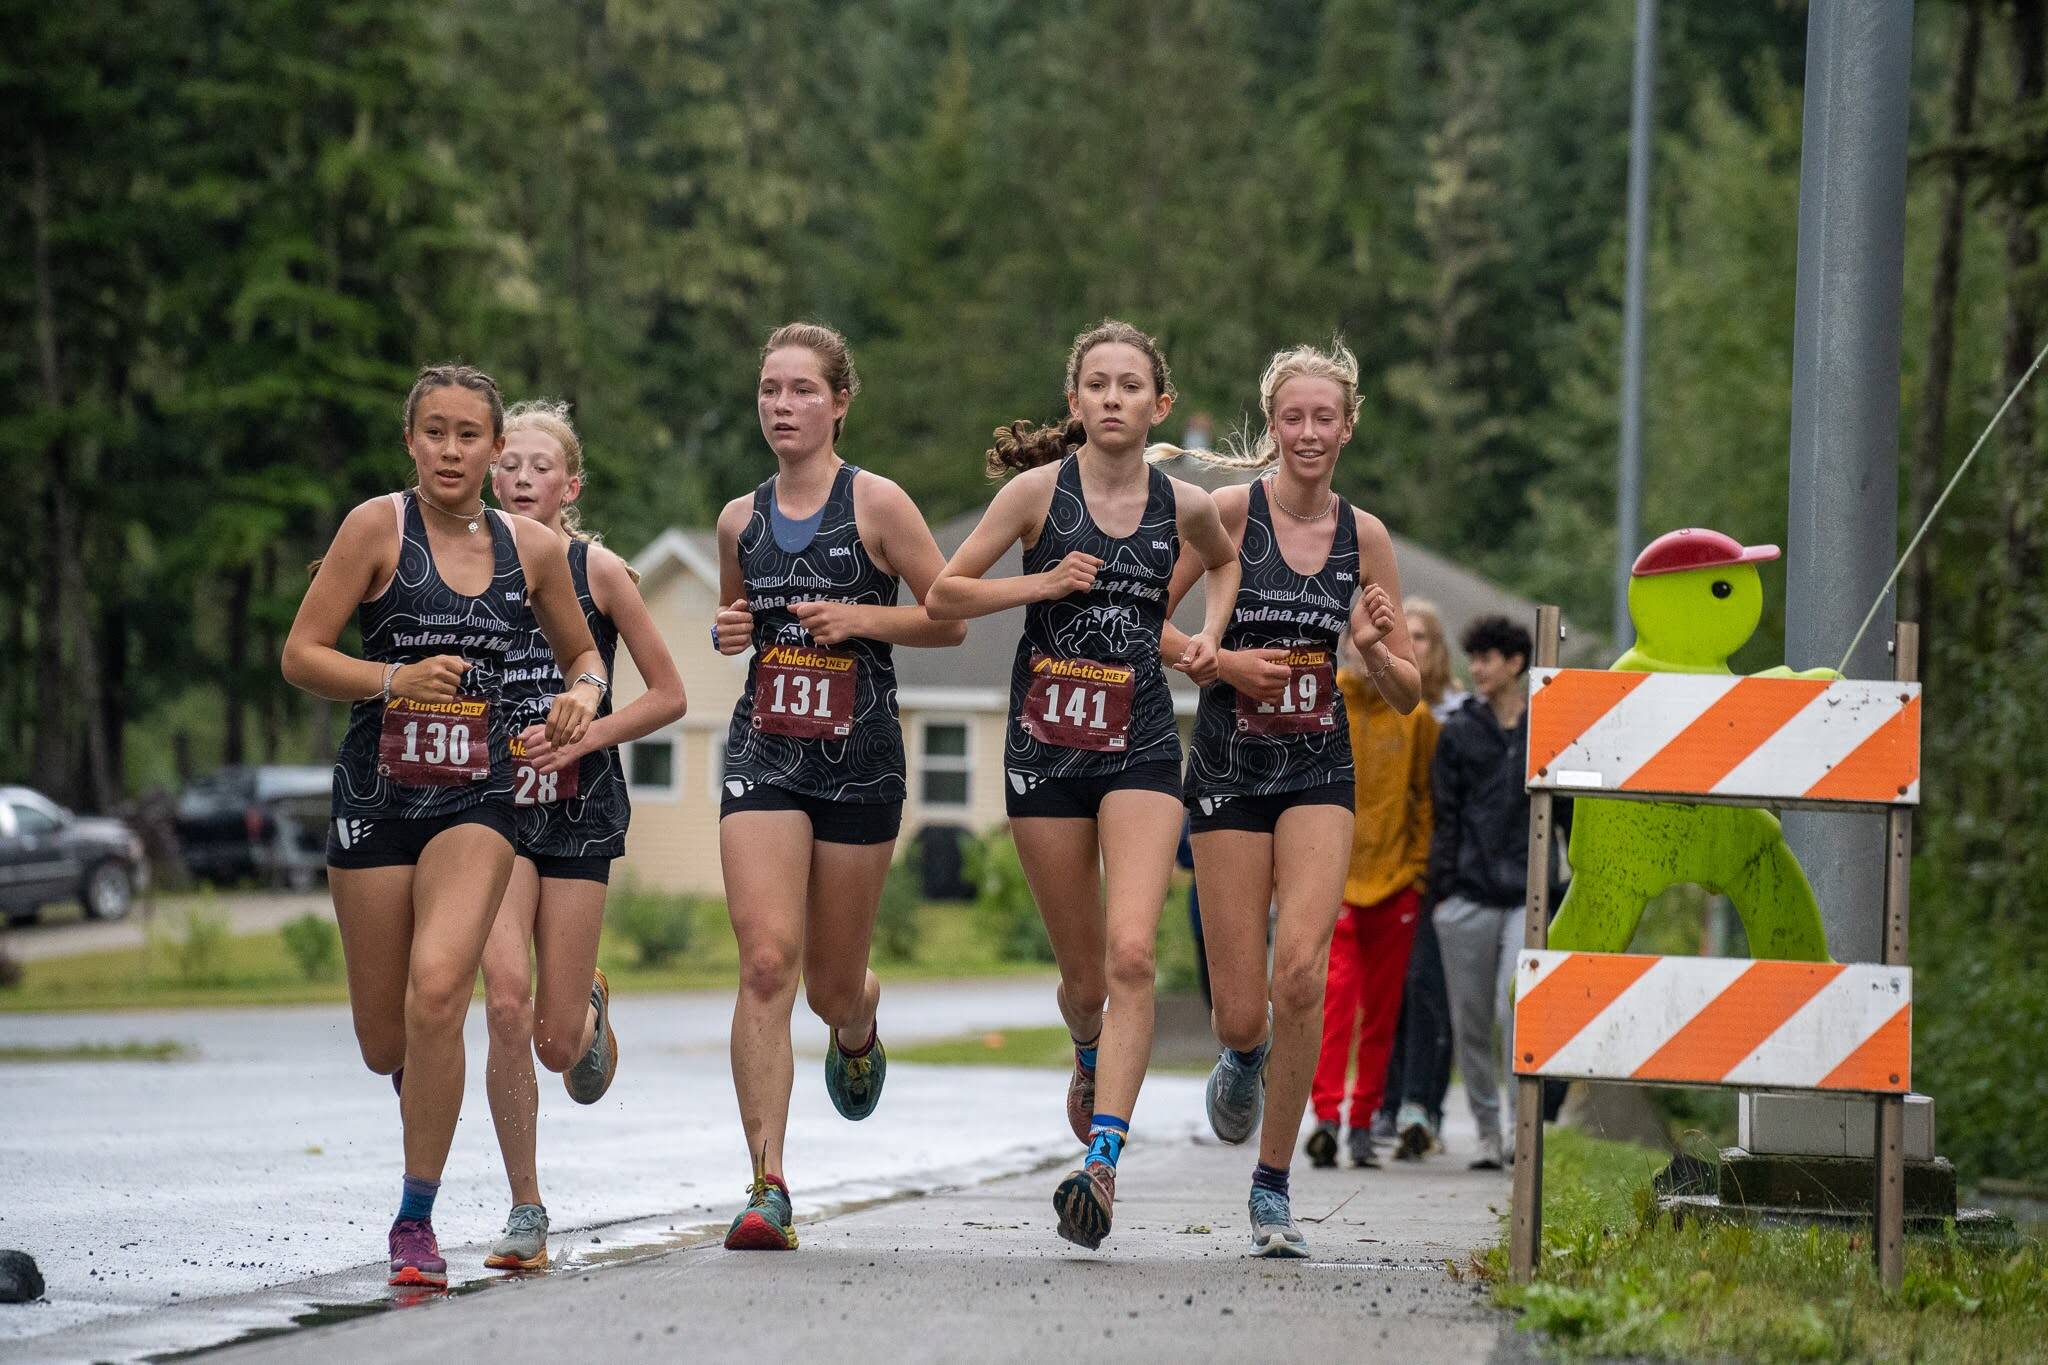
(1199, 659)
(1260, 674)
(734, 630)
(1372, 617)
(436, 679)
(1074, 574)
(571, 715)
(830, 623)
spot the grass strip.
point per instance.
(1618, 1280)
(163, 1050)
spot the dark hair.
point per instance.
(1025, 445)
(454, 376)
(1500, 635)
(835, 357)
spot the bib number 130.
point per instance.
(435, 744)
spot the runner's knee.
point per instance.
(1240, 1024)
(1298, 986)
(510, 1018)
(833, 1002)
(769, 970)
(1132, 964)
(558, 1048)
(436, 1001)
(383, 1048)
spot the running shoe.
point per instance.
(1383, 1126)
(1084, 1201)
(1363, 1152)
(1491, 1157)
(416, 1256)
(1322, 1145)
(1273, 1230)
(592, 1075)
(765, 1223)
(1081, 1099)
(855, 1083)
(1416, 1136)
(524, 1245)
(1236, 1096)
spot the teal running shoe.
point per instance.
(855, 1083)
(592, 1075)
(1236, 1096)
(1273, 1230)
(524, 1245)
(765, 1224)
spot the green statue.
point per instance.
(1695, 598)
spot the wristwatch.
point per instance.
(603, 688)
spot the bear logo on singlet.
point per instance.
(1104, 632)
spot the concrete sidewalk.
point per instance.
(978, 1274)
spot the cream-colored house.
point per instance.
(954, 703)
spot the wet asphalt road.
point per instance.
(167, 1202)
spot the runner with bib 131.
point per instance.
(1092, 757)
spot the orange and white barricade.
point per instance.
(1761, 1024)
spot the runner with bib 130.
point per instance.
(421, 844)
(809, 564)
(1092, 758)
(572, 811)
(1270, 765)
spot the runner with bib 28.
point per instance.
(1092, 758)
(572, 812)
(421, 844)
(1270, 765)
(809, 565)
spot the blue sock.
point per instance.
(1107, 1135)
(1085, 1052)
(1252, 1060)
(1272, 1178)
(418, 1200)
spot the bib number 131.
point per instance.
(804, 692)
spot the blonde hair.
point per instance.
(1437, 678)
(550, 416)
(1337, 365)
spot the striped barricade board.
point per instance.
(1751, 1022)
(1714, 738)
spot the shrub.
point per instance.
(10, 970)
(657, 924)
(315, 944)
(1003, 903)
(896, 921)
(197, 944)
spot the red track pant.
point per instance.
(1368, 964)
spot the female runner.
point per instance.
(1270, 764)
(809, 563)
(421, 844)
(572, 822)
(1092, 758)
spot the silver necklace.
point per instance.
(457, 515)
(1322, 512)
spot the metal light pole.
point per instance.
(1842, 532)
(1629, 486)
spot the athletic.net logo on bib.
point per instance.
(804, 692)
(435, 743)
(1079, 703)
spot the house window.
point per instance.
(654, 767)
(945, 768)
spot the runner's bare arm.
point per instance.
(1379, 627)
(1202, 528)
(551, 593)
(618, 597)
(732, 630)
(1016, 514)
(364, 553)
(903, 546)
(1233, 505)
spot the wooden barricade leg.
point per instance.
(1888, 1220)
(1525, 1238)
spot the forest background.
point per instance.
(229, 233)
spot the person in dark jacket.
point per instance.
(1478, 866)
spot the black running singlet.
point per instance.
(816, 721)
(591, 822)
(1247, 748)
(1087, 694)
(416, 617)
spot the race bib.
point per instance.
(804, 692)
(435, 743)
(1307, 707)
(1079, 703)
(531, 787)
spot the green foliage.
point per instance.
(315, 944)
(658, 924)
(1003, 904)
(896, 919)
(196, 943)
